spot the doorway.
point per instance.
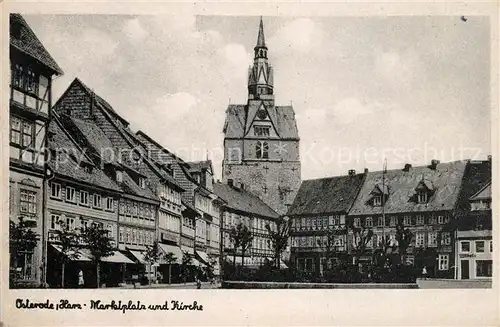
(464, 269)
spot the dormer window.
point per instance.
(142, 182)
(119, 176)
(379, 195)
(422, 197)
(423, 191)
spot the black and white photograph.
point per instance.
(224, 153)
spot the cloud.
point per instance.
(351, 109)
(396, 69)
(134, 30)
(302, 35)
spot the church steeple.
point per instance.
(260, 76)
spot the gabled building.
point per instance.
(243, 207)
(318, 220)
(199, 230)
(474, 243)
(425, 200)
(32, 70)
(111, 143)
(261, 140)
(80, 194)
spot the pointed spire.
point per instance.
(261, 42)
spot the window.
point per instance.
(465, 246)
(119, 176)
(142, 182)
(85, 224)
(419, 239)
(97, 201)
(309, 265)
(110, 204)
(442, 220)
(381, 221)
(484, 268)
(120, 239)
(54, 221)
(70, 194)
(70, 222)
(84, 198)
(422, 197)
(336, 220)
(134, 236)
(369, 222)
(261, 130)
(480, 246)
(420, 220)
(443, 262)
(445, 238)
(262, 150)
(357, 222)
(21, 132)
(15, 130)
(28, 202)
(375, 240)
(377, 201)
(491, 246)
(432, 220)
(393, 221)
(432, 241)
(407, 220)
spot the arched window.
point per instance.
(262, 150)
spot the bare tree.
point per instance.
(69, 246)
(361, 236)
(99, 243)
(278, 238)
(403, 238)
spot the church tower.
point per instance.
(261, 141)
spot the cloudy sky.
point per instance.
(408, 89)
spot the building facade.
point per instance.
(474, 244)
(318, 216)
(32, 70)
(243, 207)
(261, 141)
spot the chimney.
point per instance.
(230, 182)
(434, 163)
(489, 158)
(366, 170)
(242, 186)
(407, 167)
(352, 172)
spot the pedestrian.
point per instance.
(424, 272)
(81, 282)
(198, 282)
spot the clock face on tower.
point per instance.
(262, 114)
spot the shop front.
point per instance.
(474, 254)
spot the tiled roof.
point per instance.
(30, 44)
(326, 195)
(242, 200)
(283, 118)
(199, 165)
(99, 101)
(483, 194)
(96, 139)
(446, 180)
(70, 165)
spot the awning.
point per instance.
(166, 248)
(81, 256)
(117, 257)
(196, 262)
(138, 255)
(203, 257)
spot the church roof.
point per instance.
(199, 165)
(326, 195)
(242, 200)
(261, 42)
(283, 118)
(29, 43)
